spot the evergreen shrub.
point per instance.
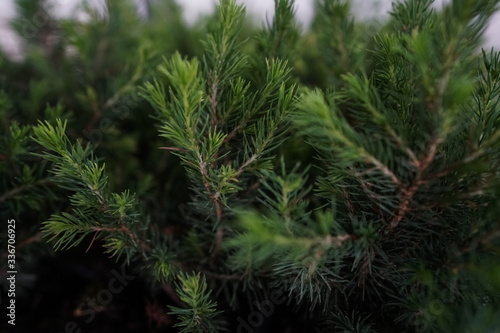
(337, 179)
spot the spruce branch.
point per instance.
(319, 120)
(223, 60)
(277, 74)
(95, 210)
(201, 314)
(369, 99)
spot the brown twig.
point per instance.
(347, 200)
(337, 240)
(92, 241)
(386, 171)
(365, 270)
(232, 133)
(219, 237)
(246, 164)
(172, 149)
(224, 277)
(374, 198)
(33, 239)
(125, 230)
(22, 188)
(485, 240)
(170, 291)
(99, 196)
(408, 193)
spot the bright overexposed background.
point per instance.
(260, 9)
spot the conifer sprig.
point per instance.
(95, 209)
(203, 123)
(201, 315)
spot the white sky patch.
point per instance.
(259, 9)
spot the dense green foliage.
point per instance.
(345, 177)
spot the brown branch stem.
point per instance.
(9, 194)
(33, 239)
(409, 192)
(125, 230)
